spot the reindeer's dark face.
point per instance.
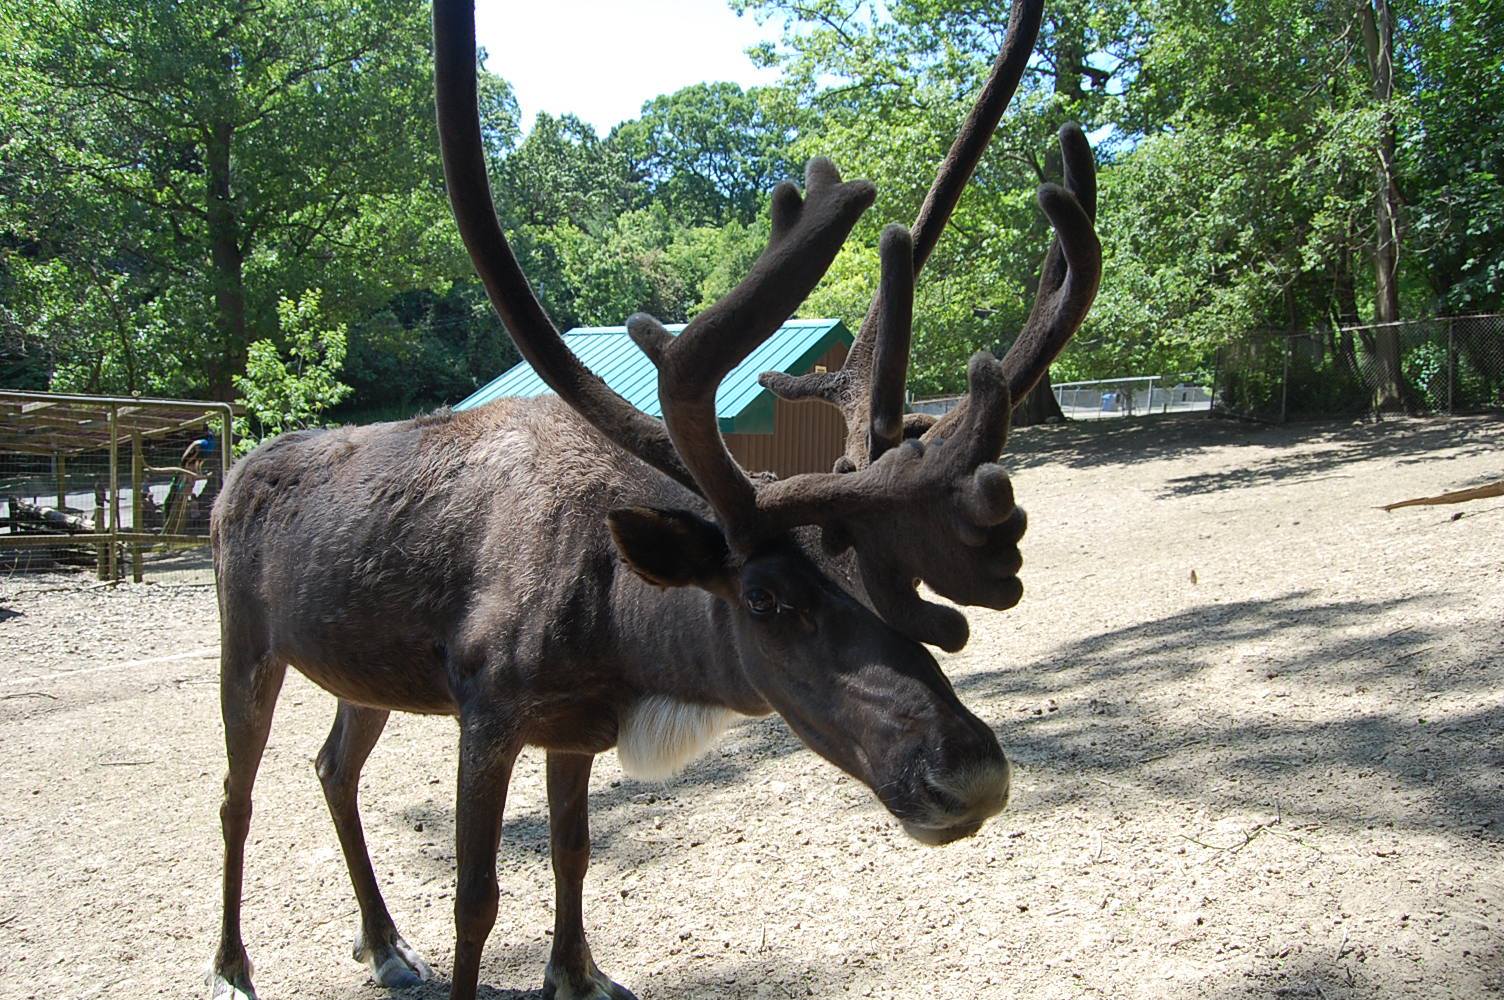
(870, 700)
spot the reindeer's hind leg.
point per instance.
(392, 960)
(248, 686)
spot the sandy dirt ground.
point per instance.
(1282, 777)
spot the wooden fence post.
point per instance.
(100, 528)
(138, 468)
(114, 495)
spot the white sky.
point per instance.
(601, 59)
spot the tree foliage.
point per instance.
(171, 176)
(710, 153)
(1453, 155)
(175, 169)
(282, 394)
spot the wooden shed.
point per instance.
(763, 432)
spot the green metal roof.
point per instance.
(741, 405)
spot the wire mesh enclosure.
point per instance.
(1106, 398)
(1450, 364)
(113, 486)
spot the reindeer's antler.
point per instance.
(1067, 281)
(806, 235)
(532, 331)
(868, 389)
(935, 508)
(938, 509)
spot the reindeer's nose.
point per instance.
(958, 802)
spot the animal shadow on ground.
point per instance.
(625, 804)
(505, 961)
(438, 989)
(1322, 978)
(1124, 697)
(771, 975)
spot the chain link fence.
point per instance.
(114, 488)
(1450, 364)
(1130, 395)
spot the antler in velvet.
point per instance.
(531, 329)
(937, 508)
(934, 508)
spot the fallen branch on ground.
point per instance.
(1456, 496)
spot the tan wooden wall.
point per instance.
(807, 437)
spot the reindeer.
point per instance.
(569, 573)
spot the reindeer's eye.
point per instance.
(761, 602)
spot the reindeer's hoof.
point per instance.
(228, 984)
(593, 985)
(395, 964)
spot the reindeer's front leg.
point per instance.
(571, 973)
(488, 749)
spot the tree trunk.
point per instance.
(1390, 392)
(1346, 294)
(228, 261)
(1039, 406)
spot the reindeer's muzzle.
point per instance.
(950, 786)
(950, 806)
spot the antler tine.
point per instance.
(1068, 282)
(893, 330)
(526, 321)
(1080, 168)
(848, 389)
(1071, 271)
(827, 386)
(806, 236)
(971, 141)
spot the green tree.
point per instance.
(712, 152)
(171, 170)
(427, 347)
(1452, 162)
(563, 172)
(292, 393)
(1285, 117)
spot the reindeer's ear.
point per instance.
(671, 548)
